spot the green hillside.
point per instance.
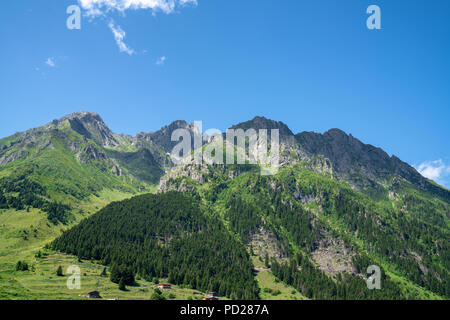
(74, 193)
(315, 220)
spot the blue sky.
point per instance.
(312, 64)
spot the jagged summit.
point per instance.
(361, 164)
(81, 115)
(264, 123)
(90, 125)
(163, 137)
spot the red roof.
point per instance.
(165, 284)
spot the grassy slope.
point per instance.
(81, 185)
(272, 288)
(23, 234)
(43, 283)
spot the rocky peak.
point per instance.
(163, 137)
(258, 123)
(82, 116)
(90, 125)
(345, 152)
(357, 162)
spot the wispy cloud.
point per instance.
(435, 170)
(161, 61)
(101, 8)
(119, 35)
(50, 62)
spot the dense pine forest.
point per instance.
(164, 236)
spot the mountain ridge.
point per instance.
(349, 156)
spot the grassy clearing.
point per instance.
(271, 287)
(42, 283)
(24, 233)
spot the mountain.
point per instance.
(91, 126)
(80, 152)
(258, 123)
(72, 158)
(335, 207)
(360, 163)
(163, 137)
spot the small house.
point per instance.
(211, 296)
(93, 295)
(164, 286)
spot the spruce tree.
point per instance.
(122, 285)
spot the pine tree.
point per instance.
(19, 265)
(266, 261)
(122, 285)
(114, 275)
(59, 272)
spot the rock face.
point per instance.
(90, 125)
(333, 256)
(264, 123)
(264, 243)
(116, 170)
(163, 137)
(194, 172)
(90, 153)
(257, 123)
(346, 153)
(361, 164)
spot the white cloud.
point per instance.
(119, 35)
(161, 60)
(186, 2)
(100, 7)
(96, 8)
(50, 62)
(434, 170)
